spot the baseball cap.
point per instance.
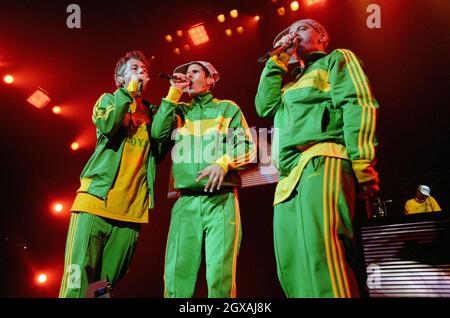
(312, 23)
(212, 71)
(425, 190)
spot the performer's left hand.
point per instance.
(215, 175)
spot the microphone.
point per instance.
(169, 77)
(276, 50)
(140, 87)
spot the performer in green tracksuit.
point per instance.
(324, 145)
(116, 184)
(212, 141)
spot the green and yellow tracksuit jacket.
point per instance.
(328, 110)
(208, 131)
(100, 172)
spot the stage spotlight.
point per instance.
(234, 13)
(186, 47)
(256, 17)
(281, 11)
(41, 278)
(39, 99)
(8, 79)
(58, 208)
(228, 32)
(179, 33)
(240, 30)
(294, 5)
(56, 110)
(75, 146)
(198, 34)
(168, 38)
(176, 51)
(221, 18)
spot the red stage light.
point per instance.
(58, 207)
(198, 34)
(39, 99)
(256, 17)
(281, 11)
(74, 146)
(221, 18)
(41, 278)
(234, 13)
(294, 5)
(8, 79)
(56, 110)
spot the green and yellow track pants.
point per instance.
(313, 232)
(97, 248)
(217, 218)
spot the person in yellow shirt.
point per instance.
(423, 202)
(117, 184)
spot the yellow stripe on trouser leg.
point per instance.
(313, 232)
(338, 198)
(217, 216)
(68, 252)
(326, 225)
(80, 265)
(97, 248)
(340, 262)
(237, 242)
(222, 242)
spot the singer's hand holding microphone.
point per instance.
(287, 44)
(136, 84)
(177, 80)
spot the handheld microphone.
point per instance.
(274, 51)
(140, 87)
(277, 50)
(169, 77)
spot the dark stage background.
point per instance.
(406, 61)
